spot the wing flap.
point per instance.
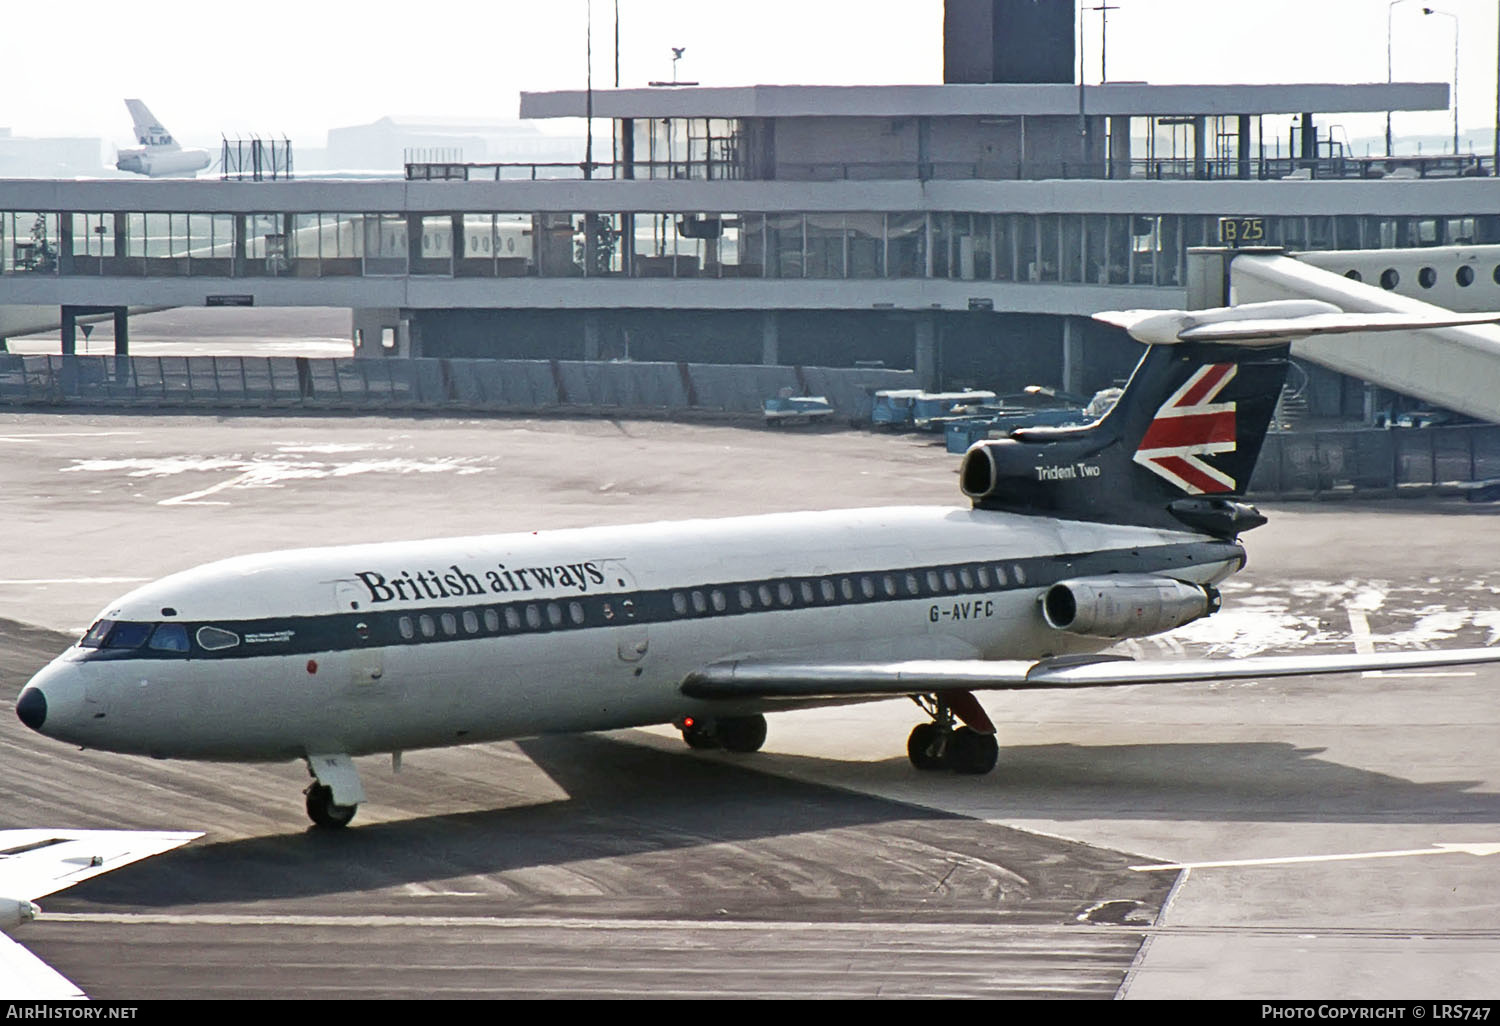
(767, 680)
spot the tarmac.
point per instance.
(625, 864)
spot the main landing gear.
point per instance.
(942, 745)
(731, 733)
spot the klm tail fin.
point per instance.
(148, 130)
(1179, 447)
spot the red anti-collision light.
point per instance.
(312, 666)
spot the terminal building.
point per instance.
(965, 230)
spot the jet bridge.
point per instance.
(1457, 368)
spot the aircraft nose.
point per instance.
(31, 708)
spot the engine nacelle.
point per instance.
(1125, 605)
(13, 913)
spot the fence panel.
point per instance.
(648, 386)
(88, 377)
(256, 379)
(851, 390)
(324, 382)
(285, 379)
(203, 378)
(1486, 452)
(737, 388)
(149, 379)
(639, 386)
(1452, 457)
(15, 383)
(465, 383)
(429, 382)
(1414, 456)
(510, 384)
(177, 386)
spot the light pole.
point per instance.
(1447, 14)
(1389, 9)
(588, 51)
(1103, 9)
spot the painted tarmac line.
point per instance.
(65, 434)
(73, 580)
(1359, 633)
(1025, 932)
(1479, 849)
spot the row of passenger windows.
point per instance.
(1426, 276)
(554, 614)
(829, 590)
(730, 599)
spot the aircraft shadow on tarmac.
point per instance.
(646, 832)
(1267, 781)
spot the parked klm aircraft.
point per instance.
(1077, 538)
(159, 156)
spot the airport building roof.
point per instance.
(1113, 98)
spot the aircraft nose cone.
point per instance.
(31, 707)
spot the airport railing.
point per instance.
(430, 384)
(1378, 461)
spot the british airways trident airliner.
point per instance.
(1076, 538)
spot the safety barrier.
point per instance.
(1371, 460)
(430, 384)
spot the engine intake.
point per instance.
(1125, 605)
(14, 912)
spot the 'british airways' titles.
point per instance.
(456, 582)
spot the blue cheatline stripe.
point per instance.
(375, 628)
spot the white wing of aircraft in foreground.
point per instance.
(159, 155)
(1077, 538)
(35, 863)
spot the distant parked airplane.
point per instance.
(160, 156)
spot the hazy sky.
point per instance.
(298, 67)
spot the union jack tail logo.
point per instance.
(1190, 426)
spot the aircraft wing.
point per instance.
(24, 977)
(1274, 322)
(35, 863)
(1326, 324)
(802, 681)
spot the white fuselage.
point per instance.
(375, 648)
(163, 162)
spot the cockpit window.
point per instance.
(212, 639)
(170, 637)
(128, 635)
(95, 637)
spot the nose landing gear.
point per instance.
(335, 793)
(942, 745)
(322, 810)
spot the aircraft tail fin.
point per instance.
(148, 130)
(1180, 445)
